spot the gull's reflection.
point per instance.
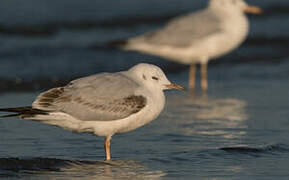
(49, 168)
(111, 170)
(209, 116)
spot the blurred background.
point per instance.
(46, 43)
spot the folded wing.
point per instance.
(99, 97)
(185, 30)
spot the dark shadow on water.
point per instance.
(19, 85)
(276, 148)
(277, 9)
(38, 164)
(51, 29)
(54, 168)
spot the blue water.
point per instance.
(238, 130)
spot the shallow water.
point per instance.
(238, 130)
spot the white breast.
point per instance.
(235, 32)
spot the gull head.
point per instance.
(235, 5)
(152, 77)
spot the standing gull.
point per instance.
(104, 104)
(197, 37)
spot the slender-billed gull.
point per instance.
(104, 104)
(197, 37)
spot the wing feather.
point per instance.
(184, 30)
(100, 97)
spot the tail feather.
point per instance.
(117, 43)
(23, 111)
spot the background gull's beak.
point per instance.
(253, 9)
(174, 86)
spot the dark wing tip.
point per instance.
(27, 111)
(10, 115)
(117, 44)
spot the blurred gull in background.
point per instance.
(197, 37)
(103, 104)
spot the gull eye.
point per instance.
(155, 78)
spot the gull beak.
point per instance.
(174, 86)
(253, 9)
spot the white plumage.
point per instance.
(103, 104)
(197, 37)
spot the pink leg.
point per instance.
(192, 76)
(107, 148)
(204, 76)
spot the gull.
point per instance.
(103, 104)
(197, 37)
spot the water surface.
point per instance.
(238, 130)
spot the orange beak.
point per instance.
(253, 10)
(174, 86)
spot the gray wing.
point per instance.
(185, 30)
(101, 97)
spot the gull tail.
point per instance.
(23, 112)
(117, 44)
